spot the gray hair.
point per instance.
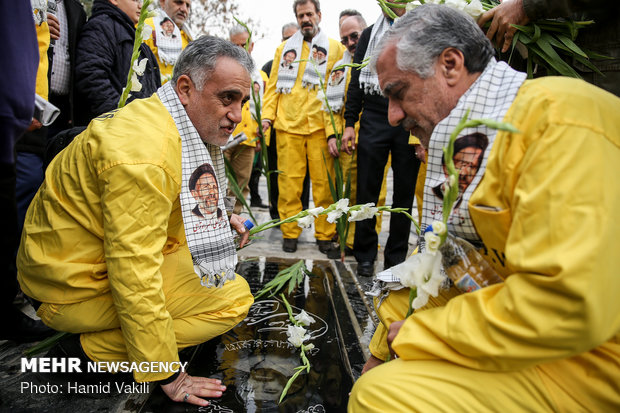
(236, 29)
(424, 32)
(360, 20)
(289, 26)
(199, 58)
(316, 3)
(349, 12)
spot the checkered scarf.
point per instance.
(287, 75)
(209, 239)
(369, 81)
(336, 92)
(169, 47)
(489, 97)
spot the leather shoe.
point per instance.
(329, 249)
(258, 204)
(366, 269)
(289, 245)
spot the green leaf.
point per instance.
(571, 45)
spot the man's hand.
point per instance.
(34, 125)
(190, 389)
(392, 332)
(332, 146)
(371, 363)
(348, 140)
(54, 25)
(507, 13)
(266, 125)
(237, 223)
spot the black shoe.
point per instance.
(289, 245)
(329, 249)
(258, 204)
(366, 269)
(20, 328)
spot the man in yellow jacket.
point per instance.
(170, 35)
(542, 210)
(291, 105)
(111, 248)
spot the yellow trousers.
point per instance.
(294, 153)
(440, 386)
(198, 313)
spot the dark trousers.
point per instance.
(272, 156)
(376, 141)
(10, 238)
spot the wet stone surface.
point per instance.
(254, 360)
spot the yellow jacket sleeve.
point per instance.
(135, 230)
(43, 38)
(549, 214)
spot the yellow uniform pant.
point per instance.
(349, 163)
(294, 152)
(241, 158)
(198, 313)
(440, 386)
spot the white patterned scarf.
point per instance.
(336, 85)
(287, 72)
(208, 233)
(489, 97)
(169, 45)
(369, 81)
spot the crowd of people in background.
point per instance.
(527, 209)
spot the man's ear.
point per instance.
(184, 87)
(452, 65)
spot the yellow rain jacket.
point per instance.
(548, 212)
(299, 112)
(129, 192)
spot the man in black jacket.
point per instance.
(377, 139)
(103, 58)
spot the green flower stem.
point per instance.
(144, 14)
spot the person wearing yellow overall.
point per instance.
(302, 126)
(112, 248)
(170, 35)
(545, 216)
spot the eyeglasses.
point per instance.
(353, 36)
(206, 187)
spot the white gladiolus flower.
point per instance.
(432, 242)
(146, 32)
(136, 86)
(366, 211)
(139, 67)
(316, 211)
(439, 227)
(474, 9)
(306, 221)
(309, 346)
(320, 95)
(304, 319)
(456, 4)
(296, 335)
(342, 207)
(423, 272)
